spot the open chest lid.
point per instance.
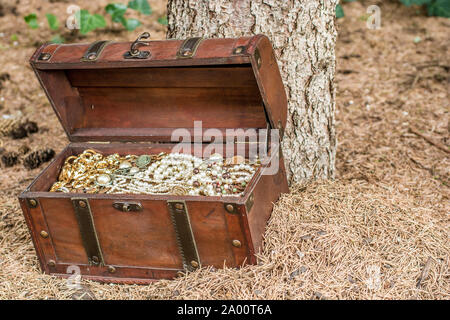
(143, 90)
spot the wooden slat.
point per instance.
(185, 77)
(171, 107)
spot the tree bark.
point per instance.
(303, 34)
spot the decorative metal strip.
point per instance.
(189, 47)
(87, 230)
(185, 237)
(94, 51)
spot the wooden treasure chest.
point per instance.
(120, 104)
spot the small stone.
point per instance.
(319, 296)
(350, 279)
(293, 274)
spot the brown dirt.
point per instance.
(379, 231)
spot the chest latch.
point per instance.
(134, 52)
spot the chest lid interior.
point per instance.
(225, 84)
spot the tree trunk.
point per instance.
(303, 35)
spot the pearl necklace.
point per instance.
(175, 173)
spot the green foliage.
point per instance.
(52, 21)
(140, 5)
(57, 39)
(31, 20)
(415, 2)
(118, 10)
(89, 22)
(339, 11)
(163, 20)
(131, 24)
(440, 8)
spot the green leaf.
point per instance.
(31, 20)
(116, 10)
(52, 21)
(440, 8)
(163, 20)
(415, 2)
(57, 39)
(141, 6)
(132, 24)
(339, 11)
(89, 22)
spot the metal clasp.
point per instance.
(134, 52)
(128, 206)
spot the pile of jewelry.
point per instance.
(173, 173)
